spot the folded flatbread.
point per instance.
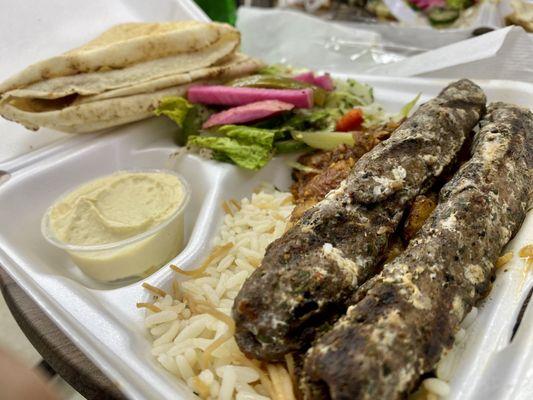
(122, 75)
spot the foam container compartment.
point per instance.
(103, 321)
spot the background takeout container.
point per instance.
(102, 319)
(132, 258)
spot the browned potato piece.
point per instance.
(421, 209)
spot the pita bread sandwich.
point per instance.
(122, 75)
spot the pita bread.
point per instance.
(89, 83)
(89, 115)
(120, 75)
(124, 45)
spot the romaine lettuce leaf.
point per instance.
(175, 108)
(249, 156)
(249, 148)
(189, 117)
(248, 135)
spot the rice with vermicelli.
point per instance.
(192, 329)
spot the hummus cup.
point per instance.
(135, 257)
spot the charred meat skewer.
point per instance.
(308, 276)
(410, 312)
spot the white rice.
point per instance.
(181, 336)
(438, 387)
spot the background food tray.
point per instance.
(103, 320)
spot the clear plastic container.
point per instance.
(132, 258)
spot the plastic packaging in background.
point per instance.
(303, 40)
(306, 40)
(383, 49)
(502, 54)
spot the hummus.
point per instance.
(92, 224)
(116, 207)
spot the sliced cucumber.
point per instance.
(441, 16)
(324, 140)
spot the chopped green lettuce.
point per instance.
(175, 108)
(314, 119)
(249, 135)
(187, 116)
(226, 149)
(349, 94)
(249, 148)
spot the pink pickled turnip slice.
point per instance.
(249, 112)
(306, 77)
(323, 81)
(237, 96)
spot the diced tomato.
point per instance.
(351, 121)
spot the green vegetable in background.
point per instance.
(189, 117)
(315, 119)
(220, 10)
(249, 148)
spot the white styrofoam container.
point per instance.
(103, 320)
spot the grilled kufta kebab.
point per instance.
(313, 271)
(410, 312)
